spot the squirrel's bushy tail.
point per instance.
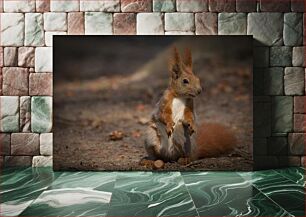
(214, 139)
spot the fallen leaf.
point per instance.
(146, 163)
(116, 135)
(140, 107)
(143, 120)
(136, 134)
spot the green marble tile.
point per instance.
(228, 194)
(189, 177)
(12, 172)
(283, 191)
(296, 174)
(70, 202)
(102, 181)
(140, 187)
(164, 5)
(150, 194)
(184, 208)
(75, 194)
(41, 114)
(39, 191)
(174, 177)
(19, 191)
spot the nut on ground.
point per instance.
(158, 164)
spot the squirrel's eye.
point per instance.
(185, 81)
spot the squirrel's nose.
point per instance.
(199, 90)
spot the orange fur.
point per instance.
(174, 62)
(213, 140)
(188, 58)
(165, 115)
(188, 113)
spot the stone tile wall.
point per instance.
(27, 28)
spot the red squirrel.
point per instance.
(172, 133)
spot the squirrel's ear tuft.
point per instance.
(176, 55)
(175, 63)
(188, 58)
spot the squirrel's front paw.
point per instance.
(169, 129)
(190, 126)
(184, 161)
(192, 129)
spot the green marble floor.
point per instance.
(42, 192)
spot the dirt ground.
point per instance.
(99, 120)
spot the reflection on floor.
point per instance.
(42, 192)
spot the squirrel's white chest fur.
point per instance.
(178, 108)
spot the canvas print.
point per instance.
(153, 103)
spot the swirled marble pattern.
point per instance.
(151, 194)
(285, 192)
(296, 174)
(21, 187)
(14, 173)
(70, 202)
(42, 192)
(75, 193)
(228, 194)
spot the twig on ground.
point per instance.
(194, 163)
